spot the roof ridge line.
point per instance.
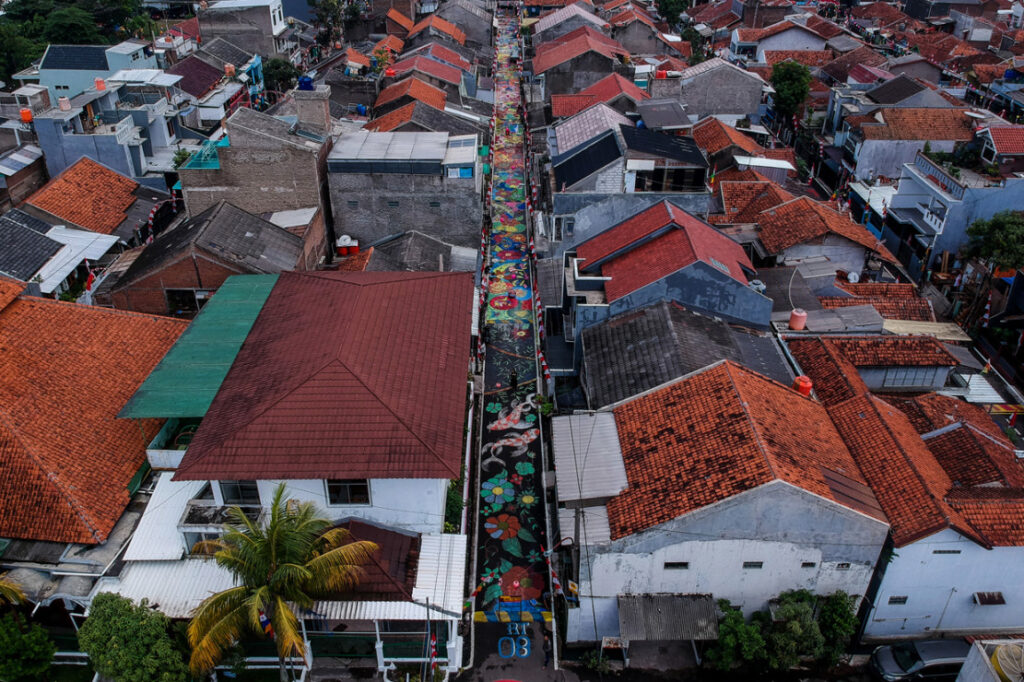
(57, 484)
(750, 418)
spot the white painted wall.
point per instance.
(841, 253)
(940, 587)
(793, 39)
(414, 504)
(778, 524)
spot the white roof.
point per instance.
(294, 217)
(127, 47)
(875, 195)
(235, 4)
(711, 65)
(461, 150)
(157, 536)
(594, 528)
(147, 76)
(364, 145)
(79, 245)
(588, 459)
(178, 586)
(567, 12)
(759, 162)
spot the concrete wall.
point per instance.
(666, 88)
(558, 30)
(978, 204)
(841, 253)
(195, 271)
(939, 589)
(362, 206)
(413, 504)
(778, 524)
(722, 91)
(608, 180)
(577, 74)
(62, 150)
(314, 243)
(477, 30)
(22, 184)
(793, 39)
(886, 157)
(248, 27)
(638, 38)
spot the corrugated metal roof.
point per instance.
(364, 145)
(667, 617)
(173, 587)
(588, 459)
(187, 379)
(19, 158)
(594, 528)
(157, 536)
(78, 245)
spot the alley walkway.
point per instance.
(511, 570)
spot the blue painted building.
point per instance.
(70, 70)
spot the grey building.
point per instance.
(382, 184)
(259, 25)
(716, 87)
(471, 17)
(565, 20)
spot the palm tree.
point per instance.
(10, 591)
(295, 558)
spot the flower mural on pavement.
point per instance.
(497, 490)
(521, 583)
(502, 526)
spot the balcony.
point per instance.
(168, 447)
(204, 514)
(938, 176)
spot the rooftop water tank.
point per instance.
(305, 83)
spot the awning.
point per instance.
(667, 617)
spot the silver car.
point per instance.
(935, 659)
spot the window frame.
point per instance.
(753, 565)
(241, 497)
(897, 600)
(676, 566)
(347, 483)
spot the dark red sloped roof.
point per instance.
(390, 575)
(197, 77)
(344, 375)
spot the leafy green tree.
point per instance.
(793, 631)
(18, 50)
(671, 9)
(279, 74)
(294, 559)
(792, 83)
(71, 26)
(738, 641)
(999, 239)
(838, 623)
(26, 651)
(328, 18)
(130, 642)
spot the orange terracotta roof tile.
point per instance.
(563, 106)
(353, 57)
(1008, 139)
(835, 378)
(887, 289)
(391, 44)
(612, 86)
(839, 68)
(896, 308)
(415, 88)
(920, 124)
(805, 57)
(743, 201)
(718, 433)
(972, 457)
(356, 263)
(713, 136)
(10, 289)
(438, 24)
(904, 475)
(392, 119)
(629, 16)
(89, 195)
(66, 370)
(443, 54)
(931, 411)
(997, 512)
(787, 154)
(736, 175)
(823, 27)
(400, 19)
(633, 230)
(431, 67)
(559, 51)
(803, 219)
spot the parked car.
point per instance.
(935, 659)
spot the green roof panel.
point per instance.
(188, 378)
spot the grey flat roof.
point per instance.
(367, 146)
(667, 617)
(588, 459)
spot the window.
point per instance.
(348, 491)
(465, 172)
(808, 564)
(453, 172)
(60, 87)
(676, 565)
(946, 551)
(392, 204)
(353, 204)
(843, 567)
(192, 539)
(753, 564)
(435, 204)
(242, 493)
(181, 301)
(897, 377)
(898, 600)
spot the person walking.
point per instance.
(547, 652)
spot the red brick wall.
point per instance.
(147, 295)
(314, 243)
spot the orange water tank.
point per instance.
(100, 84)
(337, 45)
(803, 385)
(798, 319)
(229, 70)
(661, 74)
(389, 72)
(26, 115)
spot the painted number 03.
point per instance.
(517, 646)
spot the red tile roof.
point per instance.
(415, 88)
(902, 472)
(633, 230)
(823, 27)
(65, 372)
(438, 24)
(390, 43)
(803, 219)
(344, 375)
(1008, 139)
(443, 54)
(356, 263)
(89, 195)
(431, 67)
(890, 308)
(718, 433)
(197, 77)
(400, 19)
(886, 289)
(390, 574)
(805, 57)
(931, 411)
(839, 68)
(188, 28)
(972, 457)
(612, 86)
(564, 106)
(754, 35)
(998, 513)
(713, 136)
(586, 40)
(920, 124)
(392, 119)
(628, 16)
(10, 289)
(743, 201)
(678, 248)
(353, 57)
